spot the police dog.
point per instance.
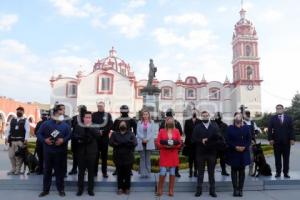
(29, 160)
(261, 165)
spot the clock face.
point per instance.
(250, 87)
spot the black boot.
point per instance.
(177, 173)
(191, 173)
(198, 192)
(212, 192)
(234, 182)
(241, 182)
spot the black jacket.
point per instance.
(86, 140)
(131, 124)
(177, 125)
(215, 140)
(281, 133)
(103, 120)
(123, 147)
(189, 126)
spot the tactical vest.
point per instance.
(17, 129)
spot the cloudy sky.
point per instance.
(190, 37)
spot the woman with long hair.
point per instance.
(145, 143)
(168, 142)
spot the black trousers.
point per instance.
(282, 153)
(86, 162)
(39, 152)
(192, 159)
(74, 146)
(221, 155)
(210, 161)
(102, 153)
(238, 177)
(53, 161)
(123, 176)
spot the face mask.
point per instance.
(61, 118)
(238, 121)
(194, 115)
(123, 128)
(169, 125)
(19, 114)
(44, 118)
(205, 120)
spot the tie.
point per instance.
(281, 118)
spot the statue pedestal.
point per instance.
(150, 100)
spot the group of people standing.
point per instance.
(206, 140)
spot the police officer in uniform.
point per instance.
(74, 143)
(39, 145)
(103, 121)
(17, 135)
(54, 134)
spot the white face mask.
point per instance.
(61, 118)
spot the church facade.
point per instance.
(113, 81)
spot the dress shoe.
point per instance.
(44, 193)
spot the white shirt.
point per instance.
(206, 124)
(256, 128)
(26, 126)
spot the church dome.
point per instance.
(113, 62)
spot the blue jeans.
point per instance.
(163, 171)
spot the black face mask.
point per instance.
(19, 114)
(123, 128)
(44, 118)
(205, 120)
(124, 114)
(194, 115)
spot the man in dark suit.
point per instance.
(189, 148)
(281, 136)
(207, 139)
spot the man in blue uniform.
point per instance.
(54, 134)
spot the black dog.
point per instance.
(261, 165)
(28, 158)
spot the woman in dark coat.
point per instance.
(238, 139)
(123, 143)
(86, 137)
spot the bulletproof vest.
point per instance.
(17, 129)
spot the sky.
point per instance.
(41, 38)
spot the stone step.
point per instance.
(183, 184)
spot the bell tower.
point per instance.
(245, 64)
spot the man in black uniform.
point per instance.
(103, 121)
(39, 145)
(207, 140)
(221, 154)
(74, 142)
(189, 149)
(170, 113)
(130, 122)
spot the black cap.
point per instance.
(124, 108)
(20, 108)
(170, 112)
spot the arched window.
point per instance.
(248, 50)
(166, 92)
(249, 72)
(214, 94)
(71, 89)
(190, 93)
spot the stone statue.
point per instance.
(151, 75)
